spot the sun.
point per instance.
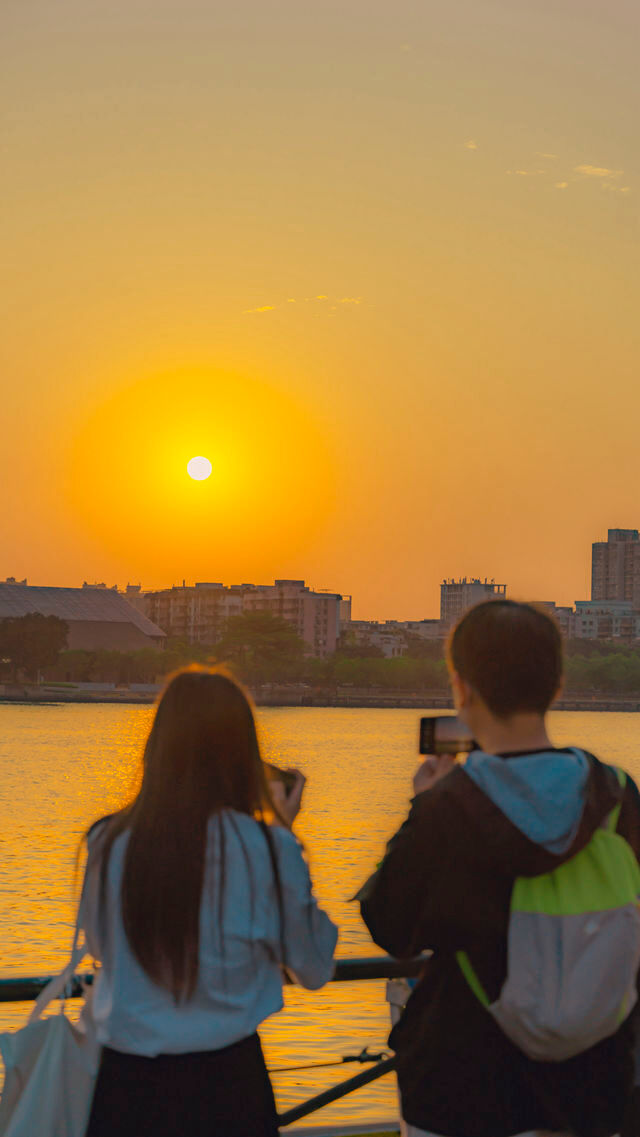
(199, 468)
(236, 457)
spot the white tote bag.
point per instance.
(51, 1066)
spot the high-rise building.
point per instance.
(615, 567)
(456, 596)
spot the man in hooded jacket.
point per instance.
(518, 807)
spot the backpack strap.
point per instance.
(610, 822)
(614, 816)
(472, 978)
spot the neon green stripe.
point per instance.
(603, 876)
(623, 1012)
(469, 973)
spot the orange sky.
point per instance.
(378, 262)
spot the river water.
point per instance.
(62, 766)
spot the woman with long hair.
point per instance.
(196, 896)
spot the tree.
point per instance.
(420, 648)
(74, 666)
(349, 647)
(32, 642)
(262, 646)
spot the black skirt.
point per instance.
(211, 1093)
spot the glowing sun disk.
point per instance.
(199, 468)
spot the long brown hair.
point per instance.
(201, 757)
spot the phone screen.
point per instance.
(275, 774)
(445, 734)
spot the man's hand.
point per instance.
(434, 767)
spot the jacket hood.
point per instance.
(542, 794)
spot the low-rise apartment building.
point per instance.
(199, 612)
(388, 637)
(606, 620)
(424, 629)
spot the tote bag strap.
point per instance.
(55, 988)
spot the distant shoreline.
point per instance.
(276, 695)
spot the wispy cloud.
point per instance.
(611, 187)
(471, 145)
(327, 302)
(608, 179)
(598, 172)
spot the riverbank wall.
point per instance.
(290, 695)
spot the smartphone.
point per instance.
(445, 734)
(275, 774)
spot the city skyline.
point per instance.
(378, 266)
(614, 577)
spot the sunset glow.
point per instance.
(382, 271)
(274, 480)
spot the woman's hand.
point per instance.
(288, 804)
(434, 767)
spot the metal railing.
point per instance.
(355, 970)
(24, 988)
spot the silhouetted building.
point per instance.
(98, 618)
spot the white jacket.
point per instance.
(239, 978)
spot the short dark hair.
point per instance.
(510, 653)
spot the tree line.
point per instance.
(262, 648)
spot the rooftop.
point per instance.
(91, 604)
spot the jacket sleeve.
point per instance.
(629, 820)
(89, 902)
(90, 896)
(309, 936)
(407, 903)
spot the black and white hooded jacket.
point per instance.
(445, 886)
